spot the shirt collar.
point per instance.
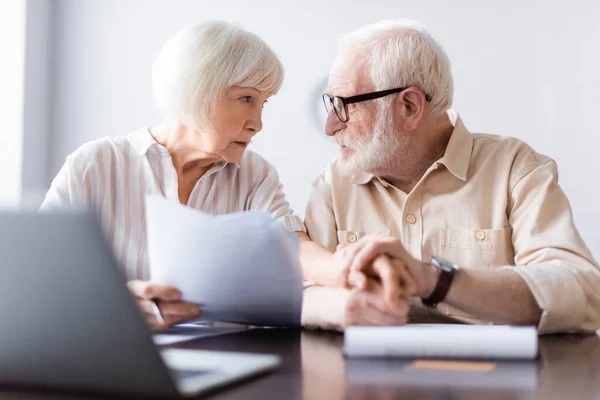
(142, 140)
(456, 158)
(458, 152)
(362, 178)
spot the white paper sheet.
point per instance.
(187, 332)
(242, 268)
(442, 340)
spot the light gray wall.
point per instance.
(523, 68)
(36, 122)
(12, 80)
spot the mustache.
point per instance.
(341, 139)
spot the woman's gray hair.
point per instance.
(402, 53)
(200, 61)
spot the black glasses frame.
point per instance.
(329, 101)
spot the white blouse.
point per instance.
(113, 175)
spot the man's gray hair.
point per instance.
(201, 61)
(402, 53)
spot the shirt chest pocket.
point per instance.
(477, 247)
(355, 235)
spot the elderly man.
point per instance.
(430, 221)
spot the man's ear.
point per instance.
(410, 103)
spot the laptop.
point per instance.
(68, 321)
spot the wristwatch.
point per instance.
(447, 272)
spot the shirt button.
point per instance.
(351, 237)
(411, 219)
(480, 235)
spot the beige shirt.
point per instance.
(113, 175)
(489, 202)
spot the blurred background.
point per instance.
(76, 70)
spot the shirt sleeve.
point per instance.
(267, 195)
(550, 254)
(319, 217)
(67, 189)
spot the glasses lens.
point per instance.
(340, 109)
(327, 101)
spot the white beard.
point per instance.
(378, 153)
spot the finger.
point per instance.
(180, 309)
(162, 292)
(151, 320)
(374, 296)
(382, 318)
(357, 279)
(345, 258)
(149, 290)
(405, 280)
(385, 270)
(374, 246)
(387, 319)
(347, 253)
(391, 246)
(168, 319)
(343, 270)
(340, 246)
(408, 282)
(157, 326)
(356, 308)
(177, 319)
(154, 325)
(364, 316)
(171, 308)
(362, 311)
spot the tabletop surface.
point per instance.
(313, 367)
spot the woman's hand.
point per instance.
(168, 300)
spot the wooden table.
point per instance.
(313, 367)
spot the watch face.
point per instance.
(443, 264)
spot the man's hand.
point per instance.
(168, 298)
(368, 306)
(403, 276)
(336, 308)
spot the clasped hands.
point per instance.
(382, 277)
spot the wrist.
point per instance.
(326, 273)
(318, 266)
(325, 307)
(432, 275)
(447, 271)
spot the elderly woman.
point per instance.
(211, 82)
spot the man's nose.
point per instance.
(333, 124)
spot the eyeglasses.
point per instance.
(340, 104)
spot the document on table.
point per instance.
(242, 267)
(442, 341)
(186, 332)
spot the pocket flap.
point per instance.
(474, 238)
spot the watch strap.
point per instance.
(442, 286)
